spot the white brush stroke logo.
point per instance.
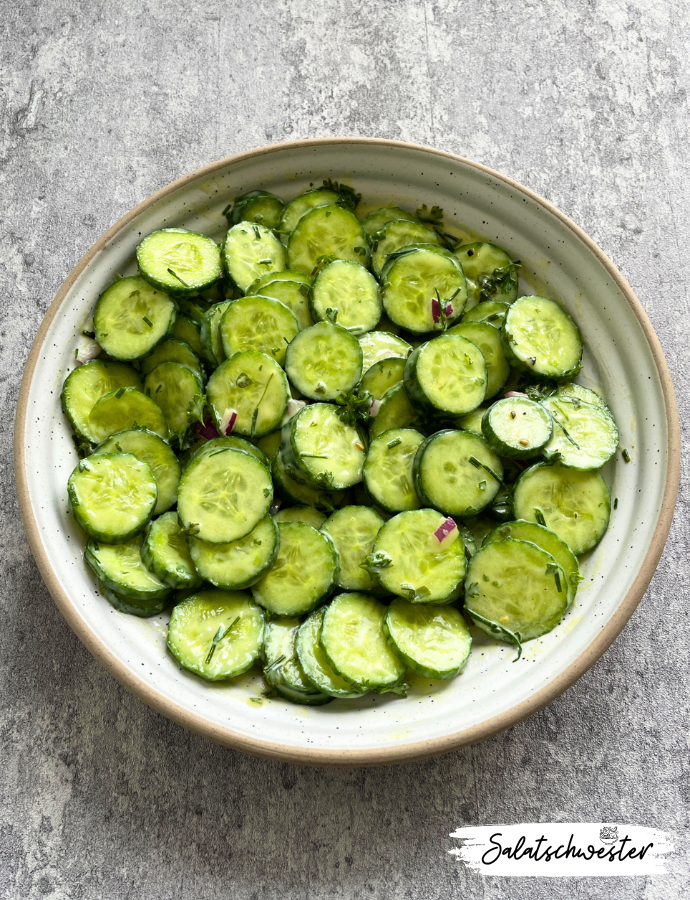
(562, 849)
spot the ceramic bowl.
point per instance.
(623, 359)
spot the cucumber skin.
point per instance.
(525, 367)
(174, 290)
(502, 449)
(246, 200)
(136, 382)
(148, 558)
(123, 605)
(328, 501)
(418, 399)
(94, 564)
(424, 671)
(244, 585)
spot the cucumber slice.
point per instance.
(211, 342)
(179, 261)
(314, 663)
(297, 492)
(296, 208)
(457, 472)
(493, 312)
(376, 219)
(354, 644)
(540, 338)
(261, 207)
(574, 505)
(189, 332)
(173, 350)
(517, 427)
(326, 450)
(388, 470)
(490, 272)
(433, 641)
(584, 434)
(304, 573)
(216, 634)
(131, 318)
(549, 542)
(156, 453)
(324, 361)
(396, 234)
(250, 251)
(307, 514)
(349, 291)
(395, 411)
(87, 384)
(294, 295)
(447, 374)
(255, 387)
(411, 561)
(515, 591)
(112, 496)
(120, 568)
(488, 340)
(353, 530)
(422, 290)
(123, 409)
(570, 389)
(258, 323)
(234, 443)
(473, 421)
(327, 231)
(179, 393)
(270, 444)
(257, 286)
(237, 564)
(378, 345)
(165, 552)
(223, 496)
(282, 669)
(194, 308)
(382, 376)
(144, 609)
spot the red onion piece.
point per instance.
(446, 528)
(227, 423)
(435, 309)
(515, 394)
(206, 429)
(293, 408)
(449, 309)
(374, 408)
(87, 350)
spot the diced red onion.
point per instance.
(293, 408)
(206, 429)
(227, 423)
(446, 528)
(515, 394)
(435, 309)
(449, 309)
(87, 350)
(374, 408)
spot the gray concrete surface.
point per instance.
(103, 103)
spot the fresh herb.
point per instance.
(472, 590)
(348, 198)
(257, 233)
(89, 334)
(626, 456)
(311, 456)
(354, 407)
(552, 569)
(509, 636)
(539, 516)
(394, 443)
(243, 380)
(434, 218)
(615, 503)
(502, 280)
(119, 393)
(159, 388)
(193, 529)
(148, 321)
(228, 209)
(175, 275)
(267, 492)
(376, 561)
(480, 465)
(361, 250)
(265, 262)
(332, 314)
(220, 634)
(276, 662)
(255, 414)
(321, 263)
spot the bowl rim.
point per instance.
(370, 756)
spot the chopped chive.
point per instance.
(227, 209)
(148, 321)
(257, 233)
(615, 503)
(220, 634)
(265, 262)
(255, 414)
(479, 465)
(539, 516)
(626, 456)
(394, 443)
(275, 663)
(311, 456)
(119, 393)
(159, 388)
(175, 275)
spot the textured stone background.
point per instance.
(103, 103)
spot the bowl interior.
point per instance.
(493, 692)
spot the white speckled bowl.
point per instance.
(623, 358)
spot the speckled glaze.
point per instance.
(623, 359)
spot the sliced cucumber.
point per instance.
(294, 295)
(488, 340)
(433, 641)
(173, 350)
(307, 514)
(188, 331)
(296, 208)
(297, 492)
(314, 663)
(423, 290)
(194, 308)
(165, 552)
(473, 421)
(382, 376)
(324, 361)
(395, 411)
(490, 272)
(447, 374)
(574, 505)
(87, 384)
(223, 496)
(216, 634)
(540, 338)
(493, 312)
(257, 286)
(144, 609)
(112, 496)
(178, 261)
(251, 250)
(378, 345)
(211, 341)
(178, 391)
(584, 434)
(353, 530)
(237, 564)
(327, 231)
(457, 472)
(412, 562)
(235, 443)
(254, 386)
(570, 389)
(515, 591)
(376, 219)
(325, 449)
(517, 427)
(120, 569)
(261, 207)
(549, 542)
(355, 646)
(388, 470)
(258, 323)
(305, 571)
(156, 453)
(346, 290)
(123, 409)
(394, 235)
(282, 669)
(131, 318)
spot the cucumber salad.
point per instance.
(333, 443)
